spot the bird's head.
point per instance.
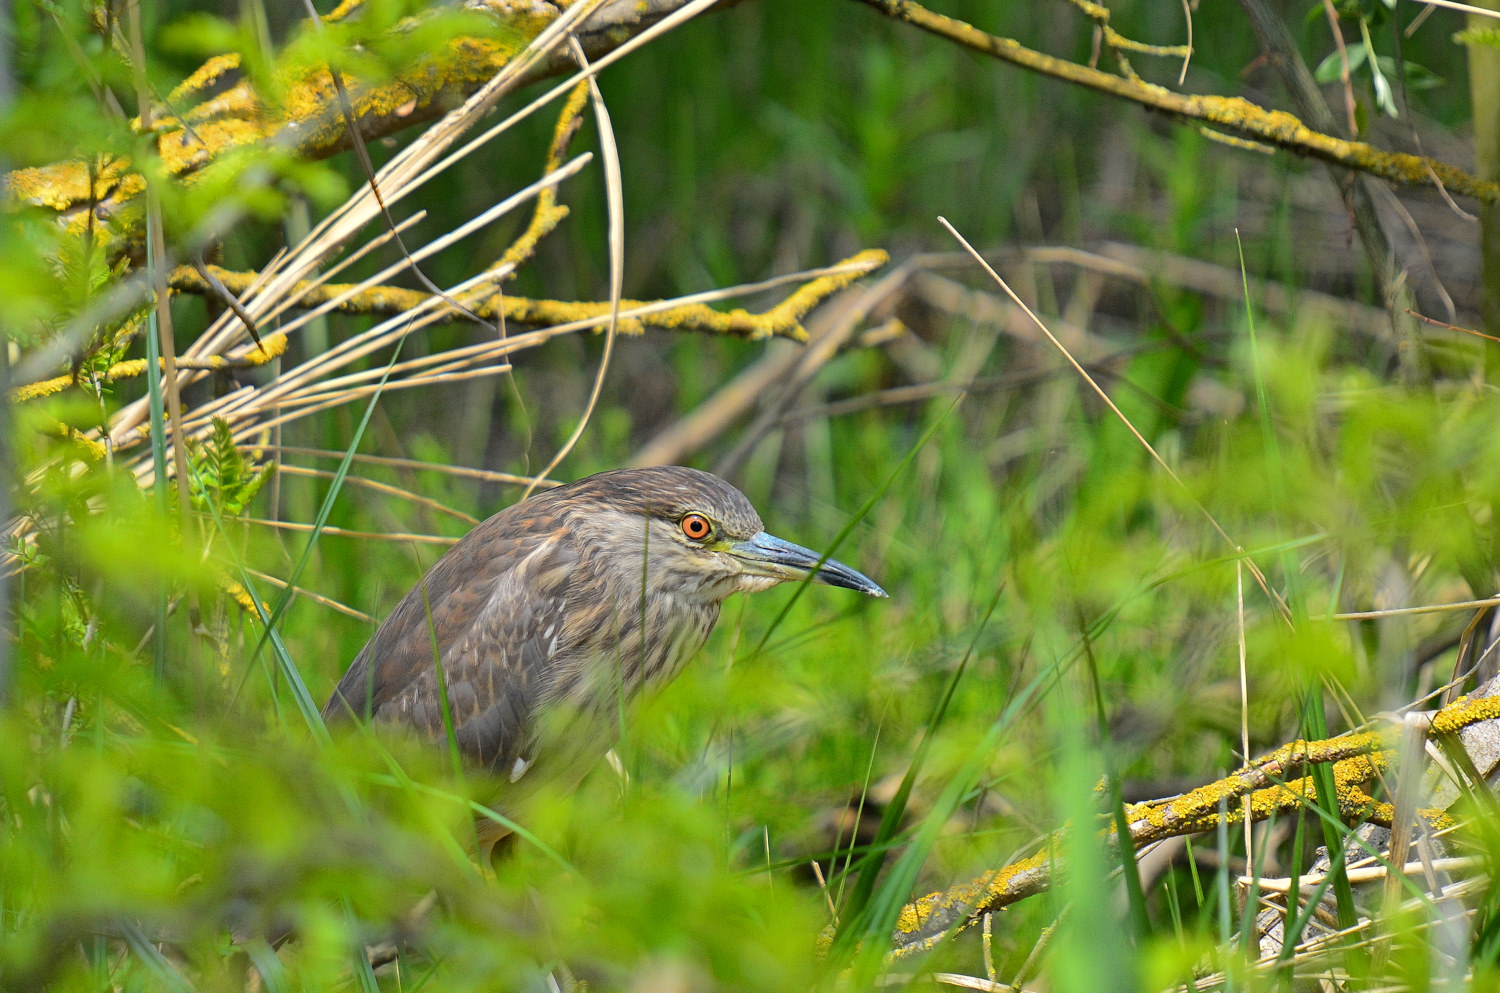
(690, 533)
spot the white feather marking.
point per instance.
(519, 769)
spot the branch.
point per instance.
(306, 120)
(1356, 759)
(1238, 116)
(271, 347)
(783, 320)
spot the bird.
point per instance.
(536, 627)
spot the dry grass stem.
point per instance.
(318, 598)
(379, 487)
(328, 529)
(1366, 874)
(1255, 571)
(615, 205)
(483, 475)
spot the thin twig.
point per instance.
(317, 598)
(379, 487)
(485, 475)
(396, 536)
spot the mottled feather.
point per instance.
(548, 613)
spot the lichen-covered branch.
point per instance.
(1119, 44)
(1237, 116)
(271, 346)
(783, 320)
(1262, 786)
(305, 118)
(548, 213)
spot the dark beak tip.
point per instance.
(851, 580)
(767, 548)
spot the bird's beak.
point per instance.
(768, 555)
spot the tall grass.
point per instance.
(1065, 631)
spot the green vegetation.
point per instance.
(1068, 616)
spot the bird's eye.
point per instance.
(696, 527)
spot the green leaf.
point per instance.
(1331, 69)
(221, 477)
(1485, 35)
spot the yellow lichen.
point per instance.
(46, 387)
(204, 76)
(548, 215)
(271, 346)
(986, 891)
(1357, 759)
(781, 320)
(1241, 116)
(1465, 711)
(343, 10)
(56, 186)
(89, 449)
(190, 149)
(92, 449)
(237, 101)
(241, 596)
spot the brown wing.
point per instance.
(500, 639)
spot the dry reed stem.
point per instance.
(247, 409)
(483, 475)
(398, 178)
(379, 487)
(328, 529)
(382, 299)
(1365, 874)
(306, 594)
(614, 200)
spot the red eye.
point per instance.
(696, 527)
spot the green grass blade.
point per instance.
(890, 896)
(288, 593)
(311, 713)
(895, 811)
(1140, 921)
(155, 962)
(1315, 728)
(157, 405)
(858, 516)
(364, 976)
(1093, 950)
(1291, 934)
(268, 964)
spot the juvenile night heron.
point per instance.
(544, 618)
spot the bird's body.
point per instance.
(547, 617)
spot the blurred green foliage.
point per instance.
(155, 833)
